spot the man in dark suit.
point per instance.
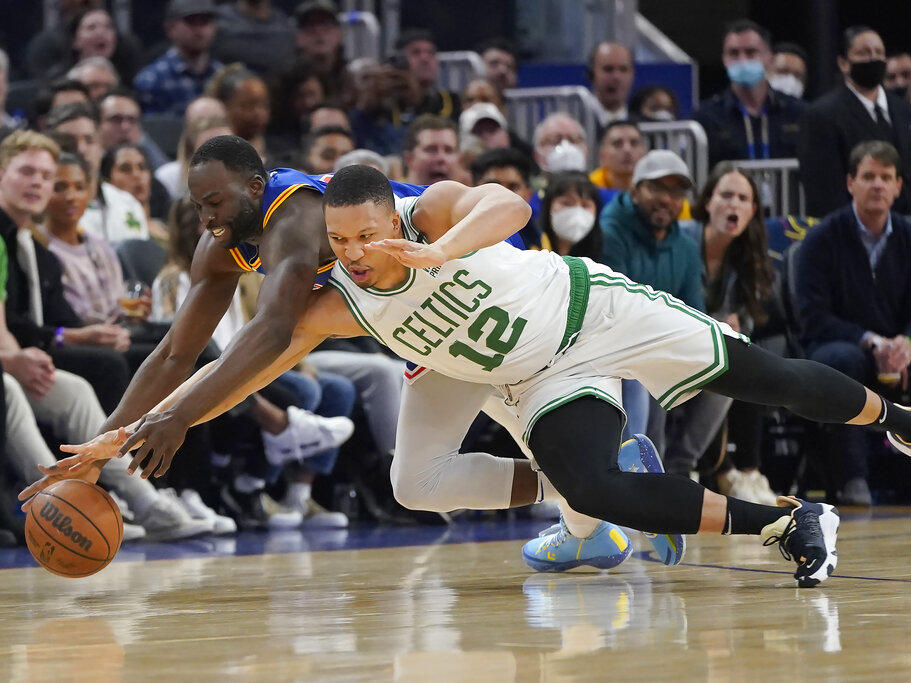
(860, 109)
(854, 293)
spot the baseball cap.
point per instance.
(477, 112)
(660, 163)
(180, 9)
(306, 10)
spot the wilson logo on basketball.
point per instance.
(63, 524)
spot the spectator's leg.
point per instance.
(105, 369)
(378, 380)
(25, 448)
(691, 428)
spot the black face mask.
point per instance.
(868, 75)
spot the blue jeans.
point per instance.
(856, 363)
(329, 395)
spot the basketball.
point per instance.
(73, 528)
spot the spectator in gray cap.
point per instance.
(643, 240)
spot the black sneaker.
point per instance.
(807, 535)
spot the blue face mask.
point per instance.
(747, 73)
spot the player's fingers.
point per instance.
(165, 464)
(133, 440)
(152, 464)
(139, 458)
(32, 489)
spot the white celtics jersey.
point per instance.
(496, 316)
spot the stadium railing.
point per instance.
(779, 184)
(458, 68)
(686, 138)
(361, 34)
(527, 107)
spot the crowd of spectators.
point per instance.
(97, 236)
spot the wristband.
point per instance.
(58, 337)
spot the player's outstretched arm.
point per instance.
(162, 435)
(457, 220)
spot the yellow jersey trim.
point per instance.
(278, 200)
(238, 257)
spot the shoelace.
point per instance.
(783, 539)
(558, 539)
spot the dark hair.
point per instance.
(225, 83)
(284, 117)
(40, 104)
(639, 97)
(70, 112)
(850, 33)
(499, 43)
(65, 141)
(110, 158)
(412, 35)
(881, 151)
(234, 152)
(426, 122)
(65, 84)
(501, 158)
(748, 254)
(617, 124)
(358, 184)
(120, 91)
(311, 138)
(578, 182)
(75, 159)
(791, 49)
(744, 25)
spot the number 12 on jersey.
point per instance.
(494, 341)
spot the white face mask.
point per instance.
(661, 115)
(572, 223)
(789, 84)
(565, 157)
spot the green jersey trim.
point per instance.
(719, 364)
(355, 311)
(566, 398)
(409, 280)
(579, 290)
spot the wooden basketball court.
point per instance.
(466, 611)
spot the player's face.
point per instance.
(352, 227)
(731, 206)
(875, 186)
(228, 204)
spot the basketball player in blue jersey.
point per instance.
(429, 277)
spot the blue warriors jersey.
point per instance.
(283, 182)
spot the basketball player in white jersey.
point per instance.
(553, 336)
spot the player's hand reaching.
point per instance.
(411, 254)
(157, 437)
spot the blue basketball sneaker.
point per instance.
(556, 550)
(640, 455)
(806, 535)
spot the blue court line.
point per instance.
(646, 555)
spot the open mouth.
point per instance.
(358, 273)
(732, 221)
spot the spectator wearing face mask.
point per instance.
(789, 70)
(749, 120)
(856, 110)
(569, 216)
(654, 103)
(560, 144)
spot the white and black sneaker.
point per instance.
(807, 535)
(901, 443)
